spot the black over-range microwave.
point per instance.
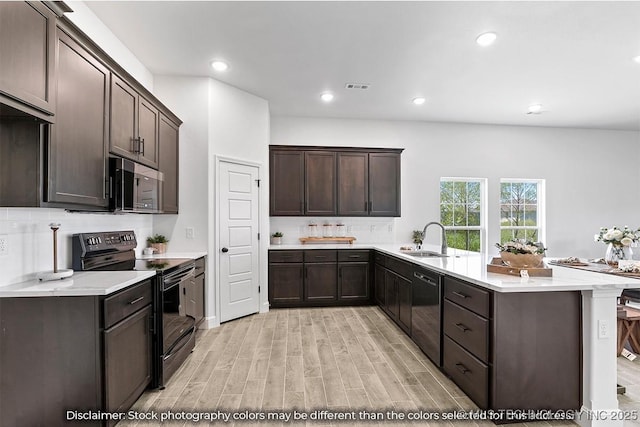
(134, 187)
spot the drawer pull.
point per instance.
(458, 294)
(462, 327)
(354, 256)
(135, 301)
(462, 368)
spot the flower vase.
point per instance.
(617, 253)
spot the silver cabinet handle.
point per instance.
(135, 301)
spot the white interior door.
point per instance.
(238, 240)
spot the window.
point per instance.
(521, 209)
(462, 206)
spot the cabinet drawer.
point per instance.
(124, 303)
(379, 258)
(400, 267)
(285, 256)
(353, 256)
(468, 296)
(200, 266)
(320, 255)
(470, 374)
(467, 329)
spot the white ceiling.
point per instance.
(573, 57)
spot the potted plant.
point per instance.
(522, 253)
(158, 242)
(418, 236)
(276, 238)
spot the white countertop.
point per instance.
(88, 283)
(82, 283)
(472, 267)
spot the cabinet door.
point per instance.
(199, 298)
(127, 360)
(353, 184)
(391, 294)
(77, 169)
(320, 182)
(379, 288)
(353, 281)
(286, 184)
(384, 184)
(27, 45)
(124, 119)
(321, 282)
(285, 284)
(168, 161)
(404, 302)
(148, 119)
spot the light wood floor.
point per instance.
(339, 359)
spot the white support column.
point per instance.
(599, 371)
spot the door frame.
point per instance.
(214, 246)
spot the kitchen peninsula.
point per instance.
(536, 328)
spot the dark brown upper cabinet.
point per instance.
(168, 154)
(77, 149)
(286, 183)
(333, 181)
(134, 124)
(319, 183)
(353, 191)
(27, 67)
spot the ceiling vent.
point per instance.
(361, 86)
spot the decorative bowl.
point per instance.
(522, 260)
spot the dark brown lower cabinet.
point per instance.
(393, 289)
(321, 282)
(73, 353)
(378, 288)
(127, 364)
(319, 277)
(513, 350)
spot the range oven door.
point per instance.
(176, 331)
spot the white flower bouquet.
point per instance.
(616, 236)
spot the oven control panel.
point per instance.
(105, 241)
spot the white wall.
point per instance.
(87, 21)
(588, 184)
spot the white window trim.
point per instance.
(541, 213)
(483, 209)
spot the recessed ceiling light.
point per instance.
(219, 65)
(637, 59)
(486, 39)
(535, 109)
(327, 97)
(419, 100)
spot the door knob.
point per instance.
(225, 250)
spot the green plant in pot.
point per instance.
(418, 236)
(158, 242)
(276, 238)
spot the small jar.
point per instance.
(313, 230)
(341, 230)
(327, 230)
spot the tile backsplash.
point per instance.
(365, 230)
(29, 239)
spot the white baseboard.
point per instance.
(209, 322)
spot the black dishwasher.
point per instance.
(426, 314)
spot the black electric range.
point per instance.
(173, 326)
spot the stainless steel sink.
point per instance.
(424, 254)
